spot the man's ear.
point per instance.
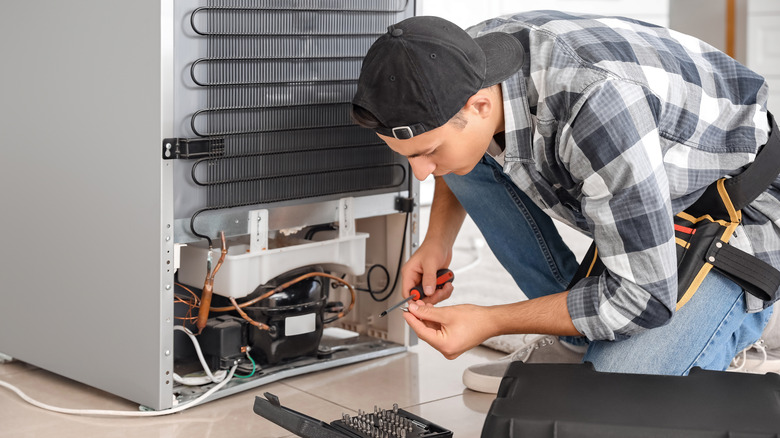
(479, 104)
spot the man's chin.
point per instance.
(462, 172)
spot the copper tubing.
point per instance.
(246, 317)
(290, 283)
(208, 289)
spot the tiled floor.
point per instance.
(420, 380)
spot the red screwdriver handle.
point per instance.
(443, 276)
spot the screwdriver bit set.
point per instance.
(394, 423)
(381, 423)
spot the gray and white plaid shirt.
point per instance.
(614, 126)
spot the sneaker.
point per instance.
(756, 359)
(486, 377)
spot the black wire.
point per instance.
(192, 228)
(398, 271)
(317, 228)
(368, 280)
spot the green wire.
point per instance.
(254, 367)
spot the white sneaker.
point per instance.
(756, 359)
(486, 377)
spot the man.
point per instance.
(609, 125)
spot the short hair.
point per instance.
(364, 117)
(367, 119)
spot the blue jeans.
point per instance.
(707, 332)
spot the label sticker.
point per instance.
(298, 325)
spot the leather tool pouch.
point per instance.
(703, 230)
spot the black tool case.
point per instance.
(574, 400)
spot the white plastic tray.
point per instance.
(242, 272)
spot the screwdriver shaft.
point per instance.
(396, 306)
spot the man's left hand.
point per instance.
(452, 330)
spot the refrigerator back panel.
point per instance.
(267, 86)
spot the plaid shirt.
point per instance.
(612, 127)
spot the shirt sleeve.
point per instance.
(613, 147)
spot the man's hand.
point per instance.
(421, 269)
(455, 329)
(452, 330)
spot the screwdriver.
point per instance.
(443, 276)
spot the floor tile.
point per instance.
(417, 376)
(231, 416)
(464, 414)
(15, 367)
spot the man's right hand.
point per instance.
(422, 267)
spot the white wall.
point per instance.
(761, 33)
(468, 12)
(756, 35)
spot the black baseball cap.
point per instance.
(422, 71)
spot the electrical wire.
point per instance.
(196, 381)
(110, 413)
(398, 271)
(192, 227)
(254, 368)
(368, 280)
(316, 229)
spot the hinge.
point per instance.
(185, 148)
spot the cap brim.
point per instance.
(503, 56)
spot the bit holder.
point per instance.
(389, 423)
(381, 423)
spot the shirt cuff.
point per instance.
(583, 303)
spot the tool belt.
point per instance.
(703, 230)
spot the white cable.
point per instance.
(106, 413)
(211, 378)
(223, 380)
(199, 380)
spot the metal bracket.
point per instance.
(258, 230)
(186, 148)
(346, 217)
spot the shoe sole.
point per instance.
(481, 383)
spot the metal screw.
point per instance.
(711, 259)
(167, 352)
(167, 287)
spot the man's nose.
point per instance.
(422, 167)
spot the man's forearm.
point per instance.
(447, 215)
(543, 315)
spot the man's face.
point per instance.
(446, 149)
